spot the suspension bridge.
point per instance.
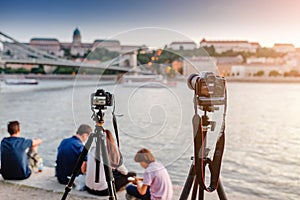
(34, 56)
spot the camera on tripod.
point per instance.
(209, 89)
(210, 97)
(100, 99)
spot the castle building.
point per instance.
(185, 45)
(75, 48)
(48, 45)
(222, 46)
(284, 48)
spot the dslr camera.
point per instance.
(100, 99)
(210, 90)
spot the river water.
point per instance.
(261, 157)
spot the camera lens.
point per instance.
(192, 80)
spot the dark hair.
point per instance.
(144, 155)
(13, 127)
(84, 128)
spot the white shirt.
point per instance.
(90, 172)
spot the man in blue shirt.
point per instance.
(15, 152)
(69, 151)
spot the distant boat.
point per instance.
(20, 82)
(147, 81)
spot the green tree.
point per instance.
(8, 53)
(102, 54)
(292, 73)
(268, 52)
(259, 73)
(38, 70)
(65, 70)
(274, 73)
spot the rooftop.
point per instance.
(44, 39)
(76, 32)
(223, 41)
(283, 44)
(184, 42)
(103, 40)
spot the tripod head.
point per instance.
(206, 123)
(98, 116)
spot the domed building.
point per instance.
(76, 37)
(78, 48)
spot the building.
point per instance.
(185, 45)
(249, 70)
(111, 45)
(78, 48)
(13, 50)
(48, 45)
(284, 48)
(267, 60)
(197, 64)
(224, 64)
(130, 48)
(75, 48)
(222, 46)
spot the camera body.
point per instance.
(100, 99)
(210, 89)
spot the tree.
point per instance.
(65, 70)
(143, 58)
(259, 73)
(293, 73)
(38, 70)
(274, 73)
(267, 52)
(8, 53)
(102, 54)
(21, 70)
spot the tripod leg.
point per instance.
(195, 189)
(78, 165)
(221, 192)
(188, 184)
(201, 193)
(107, 169)
(97, 158)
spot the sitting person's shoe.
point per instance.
(129, 197)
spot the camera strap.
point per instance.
(115, 124)
(201, 159)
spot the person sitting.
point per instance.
(18, 155)
(156, 182)
(69, 151)
(120, 173)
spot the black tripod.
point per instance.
(197, 171)
(100, 145)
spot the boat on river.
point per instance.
(17, 85)
(16, 81)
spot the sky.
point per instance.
(153, 22)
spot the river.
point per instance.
(262, 149)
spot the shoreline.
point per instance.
(114, 78)
(45, 185)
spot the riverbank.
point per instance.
(59, 77)
(114, 78)
(45, 186)
(264, 79)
